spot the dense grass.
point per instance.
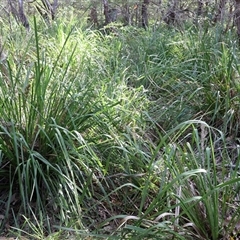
(126, 135)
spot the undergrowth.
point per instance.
(126, 135)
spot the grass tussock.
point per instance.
(127, 135)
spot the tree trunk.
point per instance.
(200, 8)
(13, 10)
(22, 16)
(105, 11)
(94, 16)
(54, 9)
(171, 15)
(137, 18)
(19, 14)
(220, 11)
(229, 18)
(237, 16)
(126, 13)
(145, 13)
(50, 8)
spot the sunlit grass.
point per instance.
(126, 135)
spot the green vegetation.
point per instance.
(132, 134)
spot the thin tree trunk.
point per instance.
(54, 9)
(93, 17)
(200, 8)
(171, 15)
(229, 18)
(22, 16)
(145, 13)
(237, 16)
(220, 11)
(13, 10)
(137, 19)
(50, 8)
(126, 13)
(105, 8)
